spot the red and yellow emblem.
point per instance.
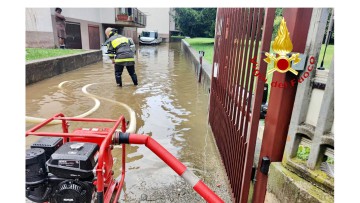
(282, 46)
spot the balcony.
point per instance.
(130, 17)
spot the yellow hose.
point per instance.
(30, 119)
(132, 123)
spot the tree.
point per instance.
(279, 16)
(196, 22)
(208, 18)
(277, 21)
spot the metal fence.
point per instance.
(133, 15)
(236, 96)
(234, 100)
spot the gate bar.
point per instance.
(254, 124)
(254, 120)
(241, 91)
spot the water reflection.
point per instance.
(148, 51)
(170, 106)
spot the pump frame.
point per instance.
(106, 185)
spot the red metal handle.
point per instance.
(40, 125)
(154, 146)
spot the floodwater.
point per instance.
(170, 106)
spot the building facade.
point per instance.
(84, 26)
(160, 20)
(39, 28)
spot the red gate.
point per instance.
(234, 102)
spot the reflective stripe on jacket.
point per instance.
(119, 47)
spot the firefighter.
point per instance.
(121, 55)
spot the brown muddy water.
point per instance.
(170, 106)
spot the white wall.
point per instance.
(156, 19)
(88, 14)
(39, 28)
(107, 15)
(172, 20)
(98, 15)
(38, 19)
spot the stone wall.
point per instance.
(46, 68)
(193, 56)
(284, 186)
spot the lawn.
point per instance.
(207, 45)
(178, 37)
(328, 56)
(203, 44)
(39, 53)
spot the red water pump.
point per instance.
(77, 167)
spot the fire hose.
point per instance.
(105, 184)
(198, 185)
(121, 138)
(95, 98)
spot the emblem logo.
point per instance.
(282, 46)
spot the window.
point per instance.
(148, 34)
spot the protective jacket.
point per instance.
(119, 49)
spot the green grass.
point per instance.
(328, 56)
(178, 37)
(39, 53)
(207, 45)
(199, 40)
(304, 152)
(203, 44)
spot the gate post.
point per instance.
(281, 100)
